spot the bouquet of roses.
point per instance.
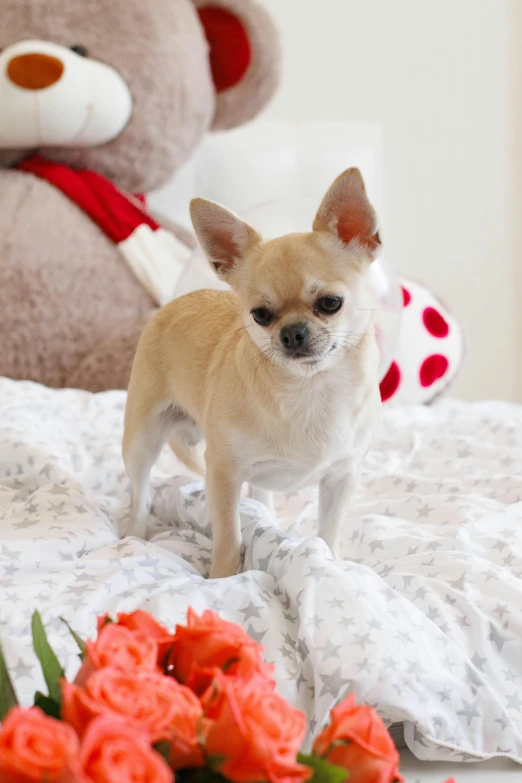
(147, 706)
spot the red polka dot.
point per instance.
(390, 382)
(433, 368)
(435, 323)
(406, 296)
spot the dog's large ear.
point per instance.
(244, 58)
(347, 213)
(223, 236)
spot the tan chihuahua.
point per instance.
(279, 377)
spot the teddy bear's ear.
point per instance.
(244, 58)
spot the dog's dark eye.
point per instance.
(262, 316)
(81, 50)
(329, 304)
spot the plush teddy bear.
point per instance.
(101, 99)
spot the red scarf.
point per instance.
(155, 255)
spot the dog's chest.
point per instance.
(283, 475)
(302, 445)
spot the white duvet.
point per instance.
(423, 619)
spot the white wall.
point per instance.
(515, 148)
(436, 73)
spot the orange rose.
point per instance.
(34, 747)
(255, 730)
(119, 648)
(358, 741)
(145, 624)
(113, 752)
(146, 700)
(208, 643)
(186, 727)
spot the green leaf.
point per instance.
(47, 705)
(324, 772)
(7, 692)
(79, 641)
(52, 671)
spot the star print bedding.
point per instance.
(423, 619)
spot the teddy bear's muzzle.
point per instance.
(55, 96)
(35, 71)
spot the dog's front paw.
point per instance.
(333, 546)
(221, 568)
(133, 530)
(136, 524)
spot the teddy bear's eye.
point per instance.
(79, 49)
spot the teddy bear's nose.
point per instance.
(34, 71)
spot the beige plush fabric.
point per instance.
(70, 309)
(64, 286)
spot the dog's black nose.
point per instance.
(294, 337)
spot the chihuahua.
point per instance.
(278, 377)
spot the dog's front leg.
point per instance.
(335, 493)
(223, 488)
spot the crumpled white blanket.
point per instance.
(423, 619)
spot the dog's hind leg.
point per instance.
(186, 441)
(146, 432)
(149, 423)
(147, 429)
(264, 496)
